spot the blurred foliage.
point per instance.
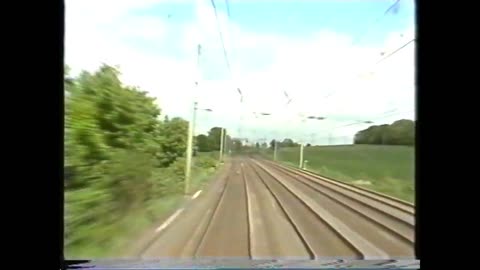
(203, 143)
(214, 138)
(206, 163)
(120, 158)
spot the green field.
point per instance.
(389, 169)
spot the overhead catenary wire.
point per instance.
(394, 5)
(378, 62)
(229, 66)
(371, 123)
(396, 50)
(391, 7)
(384, 115)
(226, 58)
(225, 55)
(228, 8)
(289, 100)
(393, 114)
(390, 111)
(222, 41)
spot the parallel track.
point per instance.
(307, 222)
(377, 196)
(379, 226)
(265, 210)
(383, 214)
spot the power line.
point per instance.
(394, 5)
(378, 62)
(221, 35)
(393, 114)
(376, 21)
(390, 111)
(386, 114)
(397, 50)
(225, 55)
(351, 124)
(382, 116)
(228, 8)
(226, 58)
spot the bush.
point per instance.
(120, 158)
(206, 162)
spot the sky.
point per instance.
(322, 54)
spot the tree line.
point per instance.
(285, 143)
(212, 140)
(401, 132)
(121, 153)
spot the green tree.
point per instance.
(214, 137)
(203, 143)
(401, 132)
(288, 143)
(272, 144)
(116, 152)
(174, 140)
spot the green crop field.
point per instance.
(386, 169)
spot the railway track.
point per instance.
(319, 239)
(383, 198)
(262, 210)
(384, 225)
(377, 209)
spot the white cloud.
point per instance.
(263, 66)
